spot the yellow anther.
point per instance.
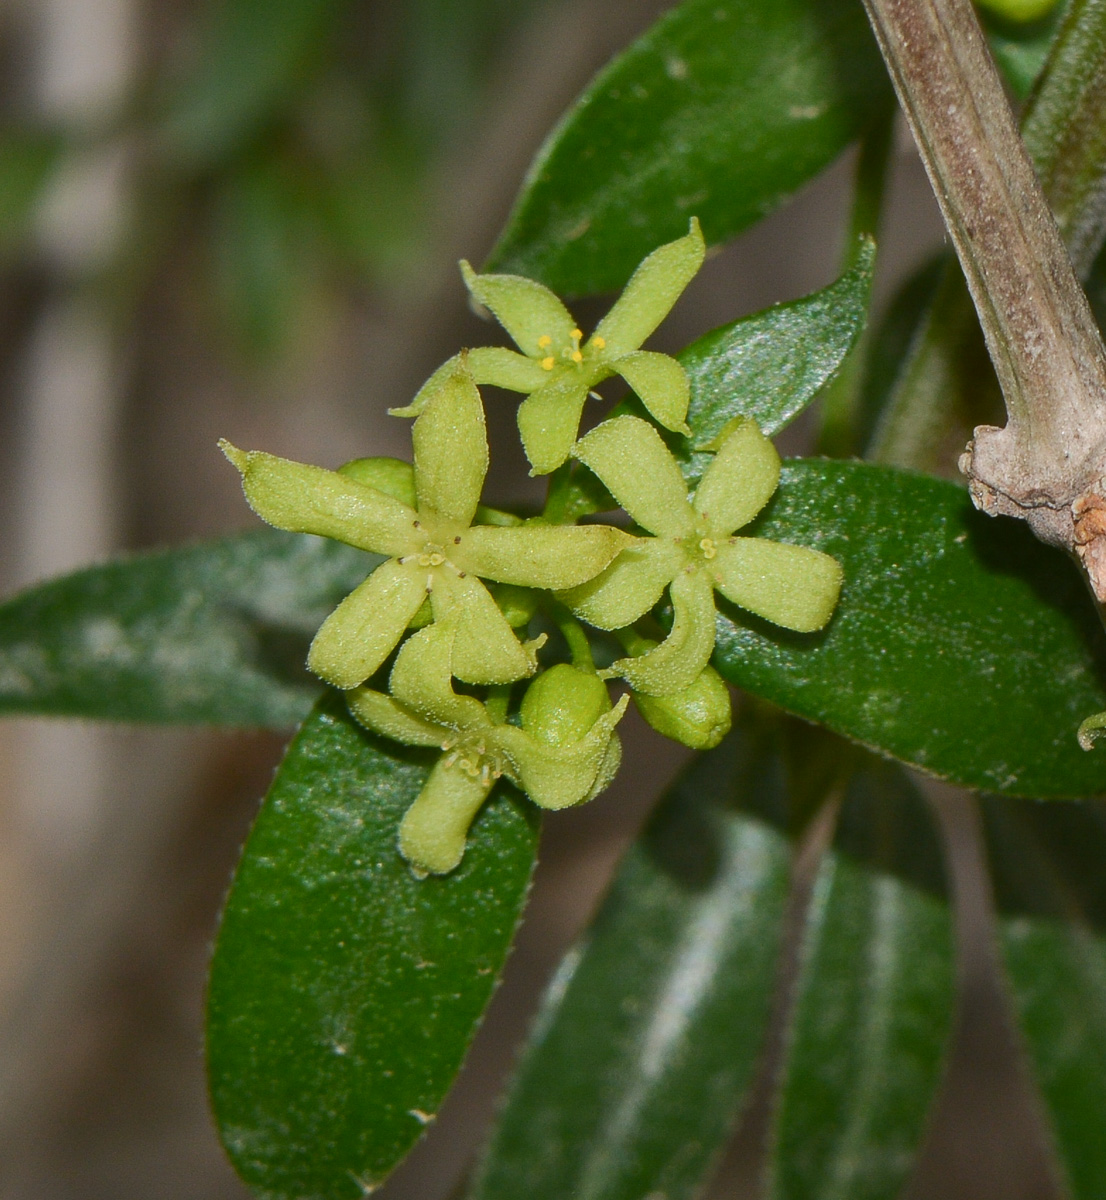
(577, 357)
(547, 363)
(600, 343)
(544, 340)
(576, 334)
(708, 548)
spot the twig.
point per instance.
(1047, 465)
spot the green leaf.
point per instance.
(874, 1003)
(722, 110)
(648, 1036)
(769, 366)
(344, 992)
(1021, 47)
(960, 644)
(210, 633)
(1050, 889)
(28, 158)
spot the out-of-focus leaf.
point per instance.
(874, 1003)
(1050, 889)
(769, 366)
(28, 159)
(960, 645)
(344, 992)
(250, 65)
(722, 110)
(210, 633)
(1021, 47)
(641, 1056)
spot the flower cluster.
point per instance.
(459, 581)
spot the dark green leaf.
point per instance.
(216, 632)
(769, 366)
(344, 992)
(874, 1003)
(961, 645)
(641, 1056)
(27, 161)
(722, 110)
(1050, 888)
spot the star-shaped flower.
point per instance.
(433, 547)
(565, 753)
(694, 551)
(558, 368)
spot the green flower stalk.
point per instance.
(566, 751)
(558, 368)
(434, 550)
(694, 551)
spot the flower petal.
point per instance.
(485, 649)
(629, 457)
(739, 482)
(679, 660)
(382, 714)
(792, 586)
(306, 499)
(654, 287)
(525, 308)
(661, 383)
(495, 365)
(549, 420)
(560, 776)
(421, 680)
(364, 629)
(434, 831)
(629, 587)
(451, 450)
(536, 555)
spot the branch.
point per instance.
(1047, 465)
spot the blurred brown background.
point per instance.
(278, 269)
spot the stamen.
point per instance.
(544, 340)
(708, 548)
(600, 343)
(575, 354)
(547, 363)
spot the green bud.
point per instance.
(699, 716)
(1019, 10)
(432, 835)
(562, 704)
(392, 476)
(517, 604)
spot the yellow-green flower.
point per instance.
(694, 550)
(434, 548)
(565, 753)
(558, 367)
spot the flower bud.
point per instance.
(699, 716)
(392, 476)
(433, 834)
(562, 704)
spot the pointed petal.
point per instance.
(792, 586)
(677, 662)
(549, 420)
(305, 499)
(451, 450)
(629, 587)
(421, 679)
(739, 482)
(500, 367)
(560, 776)
(486, 649)
(536, 555)
(527, 310)
(654, 287)
(392, 476)
(364, 629)
(382, 714)
(661, 383)
(433, 833)
(629, 457)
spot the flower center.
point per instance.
(572, 351)
(433, 553)
(470, 753)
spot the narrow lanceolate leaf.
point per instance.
(959, 645)
(641, 1056)
(215, 633)
(1050, 889)
(874, 1003)
(344, 992)
(769, 366)
(722, 110)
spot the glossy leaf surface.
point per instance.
(960, 644)
(874, 1003)
(344, 992)
(209, 633)
(1050, 889)
(769, 366)
(639, 1061)
(722, 110)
